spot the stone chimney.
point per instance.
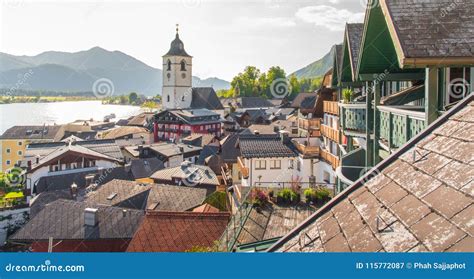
(90, 217)
(74, 191)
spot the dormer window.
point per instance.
(183, 65)
(169, 66)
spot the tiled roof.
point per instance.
(40, 201)
(140, 120)
(205, 97)
(418, 199)
(64, 181)
(354, 32)
(177, 48)
(433, 28)
(230, 151)
(304, 100)
(174, 198)
(178, 231)
(258, 146)
(121, 193)
(64, 219)
(142, 168)
(124, 131)
(254, 102)
(202, 175)
(32, 132)
(106, 147)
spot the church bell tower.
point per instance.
(177, 76)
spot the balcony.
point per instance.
(307, 150)
(398, 124)
(331, 107)
(330, 133)
(331, 159)
(312, 126)
(353, 118)
(352, 167)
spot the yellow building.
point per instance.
(14, 141)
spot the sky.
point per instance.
(223, 36)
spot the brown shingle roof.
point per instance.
(178, 231)
(421, 198)
(125, 131)
(33, 132)
(433, 28)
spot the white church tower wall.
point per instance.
(177, 76)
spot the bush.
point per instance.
(258, 197)
(287, 196)
(218, 200)
(347, 95)
(310, 195)
(323, 194)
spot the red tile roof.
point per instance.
(178, 231)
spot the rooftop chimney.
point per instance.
(90, 217)
(284, 137)
(73, 191)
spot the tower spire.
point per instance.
(177, 28)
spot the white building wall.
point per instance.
(177, 84)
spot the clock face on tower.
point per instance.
(183, 75)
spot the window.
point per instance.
(457, 84)
(9, 150)
(275, 164)
(182, 99)
(20, 143)
(169, 65)
(20, 153)
(183, 65)
(260, 165)
(298, 165)
(168, 98)
(68, 166)
(8, 162)
(291, 164)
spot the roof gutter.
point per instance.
(373, 172)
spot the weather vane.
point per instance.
(177, 27)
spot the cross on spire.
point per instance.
(177, 28)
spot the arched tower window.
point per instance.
(169, 65)
(183, 65)
(168, 98)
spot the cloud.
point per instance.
(328, 17)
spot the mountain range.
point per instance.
(76, 72)
(317, 68)
(66, 72)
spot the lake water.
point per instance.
(59, 113)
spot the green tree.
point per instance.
(246, 83)
(132, 97)
(149, 106)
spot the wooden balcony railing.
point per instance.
(353, 117)
(399, 124)
(311, 126)
(331, 133)
(331, 107)
(243, 169)
(307, 150)
(333, 160)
